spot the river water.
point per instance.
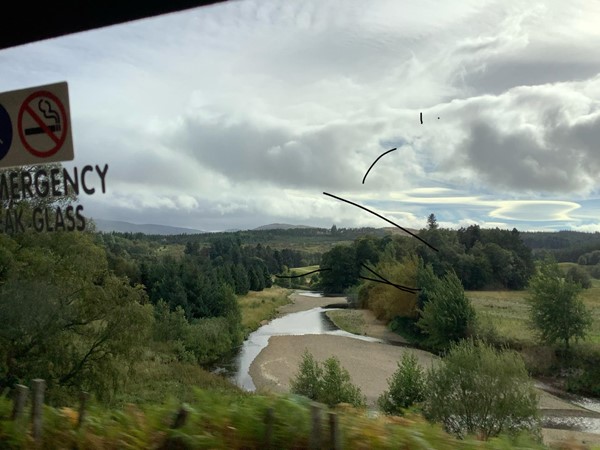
(587, 420)
(314, 321)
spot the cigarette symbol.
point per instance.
(46, 109)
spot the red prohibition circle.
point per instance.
(25, 107)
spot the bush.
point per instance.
(407, 328)
(337, 387)
(486, 331)
(595, 271)
(329, 384)
(478, 389)
(406, 387)
(447, 316)
(352, 294)
(230, 421)
(586, 377)
(308, 379)
(387, 301)
(579, 275)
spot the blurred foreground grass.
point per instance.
(233, 421)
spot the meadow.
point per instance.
(348, 320)
(303, 270)
(507, 312)
(257, 306)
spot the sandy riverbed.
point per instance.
(370, 364)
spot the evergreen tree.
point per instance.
(432, 222)
(447, 315)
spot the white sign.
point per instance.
(35, 126)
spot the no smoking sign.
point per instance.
(35, 126)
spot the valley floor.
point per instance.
(370, 364)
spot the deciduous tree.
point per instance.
(478, 389)
(557, 312)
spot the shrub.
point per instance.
(352, 294)
(586, 377)
(337, 387)
(308, 379)
(387, 301)
(478, 389)
(595, 271)
(447, 316)
(579, 275)
(406, 327)
(486, 331)
(329, 384)
(406, 387)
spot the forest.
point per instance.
(80, 308)
(481, 258)
(135, 318)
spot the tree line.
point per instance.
(81, 309)
(564, 246)
(481, 258)
(422, 291)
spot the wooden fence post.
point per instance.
(19, 401)
(180, 418)
(176, 442)
(38, 387)
(334, 432)
(269, 420)
(315, 420)
(83, 398)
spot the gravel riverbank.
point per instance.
(370, 364)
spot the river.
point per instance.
(314, 321)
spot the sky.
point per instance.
(241, 114)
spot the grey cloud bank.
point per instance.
(240, 114)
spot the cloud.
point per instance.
(586, 228)
(535, 210)
(245, 112)
(334, 155)
(529, 141)
(517, 161)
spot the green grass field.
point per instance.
(259, 306)
(303, 270)
(349, 320)
(508, 312)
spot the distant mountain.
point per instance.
(280, 226)
(107, 226)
